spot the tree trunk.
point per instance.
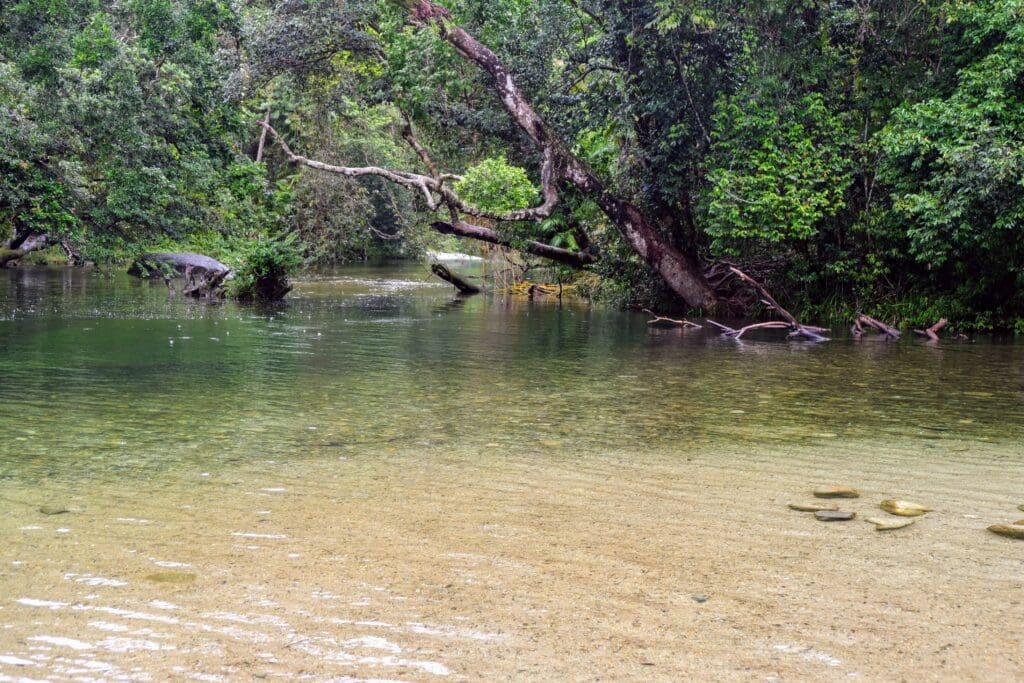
(576, 259)
(21, 244)
(460, 283)
(679, 271)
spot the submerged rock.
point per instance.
(1008, 530)
(812, 507)
(54, 509)
(171, 577)
(834, 515)
(888, 523)
(836, 492)
(700, 599)
(904, 508)
(1021, 507)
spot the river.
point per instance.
(379, 481)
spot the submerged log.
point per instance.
(866, 320)
(933, 332)
(464, 287)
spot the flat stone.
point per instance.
(171, 577)
(889, 523)
(700, 599)
(1008, 530)
(836, 492)
(904, 508)
(834, 515)
(54, 509)
(812, 507)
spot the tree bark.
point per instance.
(263, 137)
(22, 244)
(679, 270)
(455, 280)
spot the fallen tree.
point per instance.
(680, 271)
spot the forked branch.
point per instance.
(795, 327)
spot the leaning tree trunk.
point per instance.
(680, 272)
(21, 244)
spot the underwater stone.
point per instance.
(834, 515)
(1008, 530)
(836, 492)
(171, 577)
(888, 523)
(53, 509)
(904, 508)
(812, 507)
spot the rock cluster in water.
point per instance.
(827, 512)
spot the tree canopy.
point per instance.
(853, 155)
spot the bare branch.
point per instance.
(661, 321)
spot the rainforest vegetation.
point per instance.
(853, 155)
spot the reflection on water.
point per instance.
(378, 479)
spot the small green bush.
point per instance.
(262, 271)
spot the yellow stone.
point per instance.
(1008, 530)
(904, 508)
(888, 523)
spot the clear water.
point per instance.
(108, 376)
(379, 480)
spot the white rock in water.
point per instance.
(887, 524)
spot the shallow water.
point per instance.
(379, 481)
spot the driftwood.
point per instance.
(464, 287)
(933, 332)
(797, 330)
(738, 334)
(661, 321)
(863, 321)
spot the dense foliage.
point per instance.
(853, 155)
